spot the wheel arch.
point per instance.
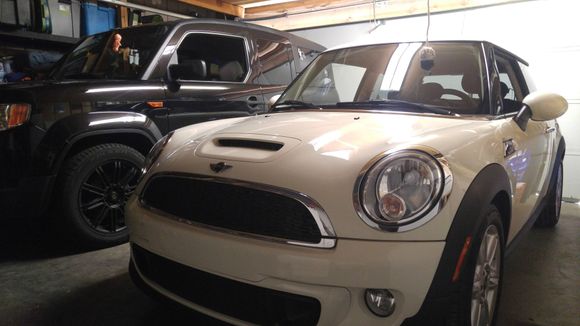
(70, 135)
(490, 186)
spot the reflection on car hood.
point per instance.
(347, 136)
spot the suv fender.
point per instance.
(68, 132)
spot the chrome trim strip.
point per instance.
(416, 221)
(328, 236)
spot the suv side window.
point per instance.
(274, 60)
(212, 57)
(512, 86)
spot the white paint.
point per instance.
(542, 32)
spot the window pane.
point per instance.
(223, 58)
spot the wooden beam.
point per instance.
(312, 13)
(218, 5)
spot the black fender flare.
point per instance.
(64, 133)
(483, 190)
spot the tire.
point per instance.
(95, 185)
(482, 276)
(551, 213)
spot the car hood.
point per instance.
(341, 135)
(321, 155)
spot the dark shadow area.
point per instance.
(30, 239)
(113, 301)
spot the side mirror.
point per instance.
(273, 100)
(546, 106)
(189, 70)
(541, 106)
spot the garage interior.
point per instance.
(46, 281)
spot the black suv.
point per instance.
(76, 142)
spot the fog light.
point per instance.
(380, 302)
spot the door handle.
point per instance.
(550, 129)
(253, 101)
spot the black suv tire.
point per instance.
(95, 185)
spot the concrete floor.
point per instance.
(43, 284)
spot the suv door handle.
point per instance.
(253, 101)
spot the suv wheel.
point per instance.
(551, 213)
(96, 184)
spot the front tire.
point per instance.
(95, 185)
(551, 213)
(482, 277)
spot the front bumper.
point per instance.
(336, 278)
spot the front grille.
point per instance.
(236, 299)
(232, 207)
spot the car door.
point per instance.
(219, 81)
(528, 152)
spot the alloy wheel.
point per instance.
(486, 278)
(104, 193)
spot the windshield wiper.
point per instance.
(292, 104)
(398, 104)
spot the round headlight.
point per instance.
(401, 188)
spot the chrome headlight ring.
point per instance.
(402, 189)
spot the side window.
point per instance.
(212, 57)
(512, 87)
(274, 60)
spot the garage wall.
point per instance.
(544, 33)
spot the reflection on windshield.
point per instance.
(394, 72)
(120, 54)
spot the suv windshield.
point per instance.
(118, 54)
(368, 77)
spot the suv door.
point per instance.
(218, 83)
(530, 163)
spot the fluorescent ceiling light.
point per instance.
(265, 3)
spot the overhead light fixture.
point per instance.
(265, 3)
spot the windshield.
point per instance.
(118, 54)
(376, 74)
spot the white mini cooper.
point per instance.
(384, 187)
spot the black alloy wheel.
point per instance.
(97, 182)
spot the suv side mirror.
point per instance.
(541, 106)
(189, 70)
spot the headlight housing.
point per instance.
(402, 190)
(13, 115)
(155, 151)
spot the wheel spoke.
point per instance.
(484, 321)
(93, 189)
(117, 169)
(103, 175)
(124, 181)
(492, 247)
(101, 217)
(93, 204)
(113, 220)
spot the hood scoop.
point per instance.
(245, 147)
(249, 143)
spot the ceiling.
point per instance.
(298, 14)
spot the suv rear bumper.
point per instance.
(30, 198)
